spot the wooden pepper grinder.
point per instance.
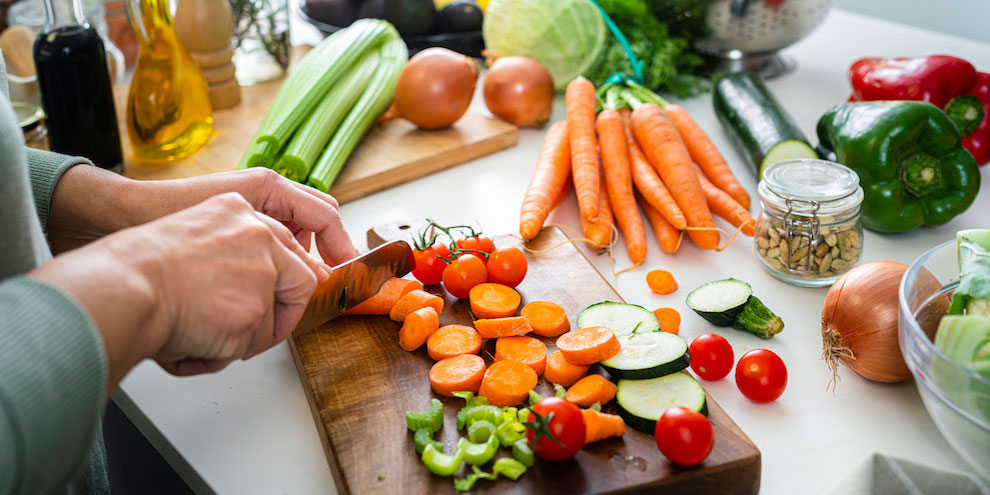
(206, 28)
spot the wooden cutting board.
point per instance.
(359, 383)
(388, 156)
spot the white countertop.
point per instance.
(249, 429)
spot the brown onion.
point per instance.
(434, 88)
(519, 90)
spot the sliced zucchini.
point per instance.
(648, 355)
(720, 301)
(642, 402)
(757, 319)
(621, 318)
(787, 150)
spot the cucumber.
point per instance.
(758, 126)
(721, 301)
(648, 355)
(621, 318)
(642, 402)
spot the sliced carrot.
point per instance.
(599, 426)
(706, 155)
(725, 206)
(591, 389)
(494, 328)
(661, 282)
(588, 345)
(526, 350)
(507, 383)
(381, 303)
(670, 320)
(417, 327)
(668, 237)
(561, 372)
(457, 374)
(550, 181)
(547, 319)
(412, 301)
(599, 232)
(493, 301)
(453, 340)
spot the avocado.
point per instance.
(459, 16)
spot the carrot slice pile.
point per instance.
(493, 301)
(457, 374)
(588, 345)
(507, 383)
(453, 340)
(559, 371)
(547, 319)
(591, 389)
(599, 426)
(417, 327)
(381, 303)
(670, 320)
(526, 350)
(412, 301)
(661, 282)
(494, 328)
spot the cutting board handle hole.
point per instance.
(404, 227)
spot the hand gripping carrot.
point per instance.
(663, 146)
(580, 101)
(725, 206)
(706, 155)
(618, 183)
(648, 183)
(550, 179)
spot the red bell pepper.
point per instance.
(947, 82)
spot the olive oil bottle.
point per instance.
(168, 107)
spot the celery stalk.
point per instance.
(359, 119)
(306, 144)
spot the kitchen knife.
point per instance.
(354, 281)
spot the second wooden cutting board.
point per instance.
(359, 383)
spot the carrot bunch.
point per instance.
(639, 151)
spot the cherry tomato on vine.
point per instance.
(429, 267)
(761, 375)
(566, 426)
(711, 356)
(464, 273)
(507, 266)
(684, 436)
(476, 243)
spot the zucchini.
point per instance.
(762, 132)
(757, 319)
(648, 355)
(642, 402)
(721, 301)
(621, 318)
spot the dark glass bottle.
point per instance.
(75, 86)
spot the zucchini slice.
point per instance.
(721, 301)
(621, 318)
(642, 402)
(648, 355)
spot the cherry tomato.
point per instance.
(507, 266)
(476, 243)
(711, 356)
(566, 425)
(464, 273)
(684, 436)
(429, 267)
(761, 375)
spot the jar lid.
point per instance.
(28, 114)
(804, 184)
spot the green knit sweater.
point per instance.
(53, 367)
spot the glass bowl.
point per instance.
(957, 398)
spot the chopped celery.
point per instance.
(508, 414)
(559, 390)
(509, 467)
(466, 484)
(477, 454)
(431, 420)
(442, 464)
(479, 431)
(481, 413)
(424, 437)
(510, 432)
(534, 397)
(522, 452)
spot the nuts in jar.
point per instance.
(833, 251)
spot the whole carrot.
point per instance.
(662, 145)
(648, 183)
(725, 206)
(599, 231)
(580, 101)
(706, 155)
(668, 237)
(550, 177)
(618, 183)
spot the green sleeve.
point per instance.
(46, 168)
(53, 374)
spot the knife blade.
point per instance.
(354, 281)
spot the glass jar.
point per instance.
(809, 233)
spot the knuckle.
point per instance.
(266, 177)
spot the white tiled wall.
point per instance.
(965, 18)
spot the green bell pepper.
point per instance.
(442, 464)
(477, 454)
(910, 163)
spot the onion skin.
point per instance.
(434, 89)
(519, 90)
(859, 323)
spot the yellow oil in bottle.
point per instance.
(168, 107)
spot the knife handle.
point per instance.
(402, 230)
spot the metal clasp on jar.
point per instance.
(804, 232)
